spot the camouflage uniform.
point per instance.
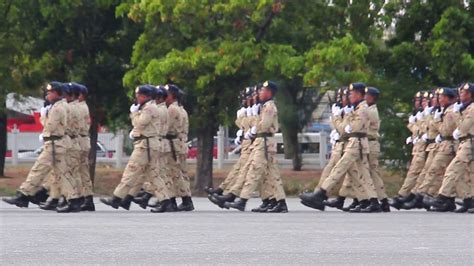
(419, 156)
(85, 146)
(354, 161)
(53, 156)
(262, 159)
(144, 162)
(446, 151)
(184, 186)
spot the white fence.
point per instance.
(19, 142)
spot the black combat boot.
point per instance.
(397, 201)
(186, 204)
(263, 207)
(239, 204)
(20, 200)
(355, 203)
(221, 200)
(126, 202)
(439, 201)
(466, 205)
(448, 206)
(385, 205)
(374, 206)
(144, 199)
(163, 206)
(173, 206)
(62, 202)
(362, 205)
(314, 200)
(337, 203)
(113, 202)
(280, 207)
(72, 206)
(471, 210)
(50, 205)
(210, 190)
(416, 202)
(88, 204)
(40, 197)
(81, 200)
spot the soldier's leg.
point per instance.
(258, 169)
(335, 157)
(38, 173)
(168, 176)
(134, 171)
(184, 185)
(421, 179)
(275, 184)
(85, 174)
(435, 174)
(231, 176)
(236, 188)
(340, 169)
(73, 160)
(454, 173)
(414, 171)
(375, 175)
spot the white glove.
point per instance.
(336, 136)
(409, 140)
(438, 139)
(253, 130)
(425, 137)
(415, 140)
(239, 133)
(412, 119)
(134, 108)
(437, 114)
(428, 110)
(249, 111)
(248, 135)
(44, 110)
(348, 129)
(130, 136)
(456, 134)
(336, 110)
(457, 107)
(237, 141)
(419, 115)
(40, 138)
(332, 133)
(255, 109)
(348, 109)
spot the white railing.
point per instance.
(28, 141)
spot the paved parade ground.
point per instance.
(213, 236)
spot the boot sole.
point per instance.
(313, 206)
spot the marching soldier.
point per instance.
(53, 156)
(84, 145)
(262, 160)
(354, 159)
(445, 120)
(175, 182)
(143, 164)
(241, 122)
(458, 175)
(416, 125)
(187, 203)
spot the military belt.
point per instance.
(450, 138)
(372, 138)
(147, 144)
(264, 135)
(72, 136)
(53, 146)
(358, 135)
(429, 141)
(466, 137)
(84, 136)
(170, 138)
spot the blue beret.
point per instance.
(372, 91)
(161, 92)
(145, 90)
(357, 86)
(447, 92)
(55, 86)
(271, 85)
(173, 89)
(467, 87)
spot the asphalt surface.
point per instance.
(210, 235)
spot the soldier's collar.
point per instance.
(357, 104)
(264, 102)
(465, 106)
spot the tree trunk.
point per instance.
(205, 146)
(93, 136)
(290, 140)
(3, 138)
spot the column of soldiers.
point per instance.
(62, 168)
(442, 127)
(257, 120)
(352, 170)
(442, 168)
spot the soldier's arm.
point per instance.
(267, 117)
(448, 124)
(338, 123)
(141, 120)
(467, 123)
